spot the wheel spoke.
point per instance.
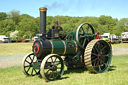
(27, 62)
(35, 70)
(47, 67)
(47, 72)
(51, 73)
(83, 30)
(31, 59)
(103, 48)
(32, 72)
(99, 68)
(104, 63)
(94, 54)
(94, 63)
(57, 73)
(97, 50)
(84, 42)
(58, 63)
(58, 67)
(28, 69)
(97, 63)
(94, 59)
(87, 29)
(55, 60)
(52, 60)
(107, 55)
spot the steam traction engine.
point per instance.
(77, 50)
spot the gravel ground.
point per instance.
(15, 60)
(10, 60)
(120, 51)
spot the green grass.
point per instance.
(121, 45)
(117, 75)
(15, 48)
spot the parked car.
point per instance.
(20, 40)
(115, 41)
(4, 39)
(124, 36)
(27, 40)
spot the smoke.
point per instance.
(56, 5)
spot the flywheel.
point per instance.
(97, 56)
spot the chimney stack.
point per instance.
(43, 12)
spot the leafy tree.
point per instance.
(60, 19)
(3, 16)
(27, 28)
(23, 16)
(118, 29)
(15, 16)
(7, 26)
(124, 22)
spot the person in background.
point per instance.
(97, 35)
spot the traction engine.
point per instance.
(76, 50)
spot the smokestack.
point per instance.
(43, 21)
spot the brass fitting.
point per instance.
(43, 9)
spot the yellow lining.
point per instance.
(76, 45)
(52, 47)
(64, 47)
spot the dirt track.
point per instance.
(120, 51)
(15, 60)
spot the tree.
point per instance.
(124, 22)
(3, 16)
(27, 28)
(15, 16)
(60, 19)
(118, 29)
(7, 26)
(23, 16)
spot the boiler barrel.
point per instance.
(63, 47)
(42, 48)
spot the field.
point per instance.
(116, 75)
(24, 48)
(15, 48)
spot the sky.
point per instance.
(115, 8)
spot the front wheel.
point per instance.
(52, 67)
(27, 65)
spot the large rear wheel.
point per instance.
(97, 56)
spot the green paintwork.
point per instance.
(36, 65)
(72, 36)
(65, 47)
(58, 47)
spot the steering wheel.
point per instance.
(84, 34)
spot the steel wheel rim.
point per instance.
(52, 67)
(27, 65)
(98, 58)
(102, 60)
